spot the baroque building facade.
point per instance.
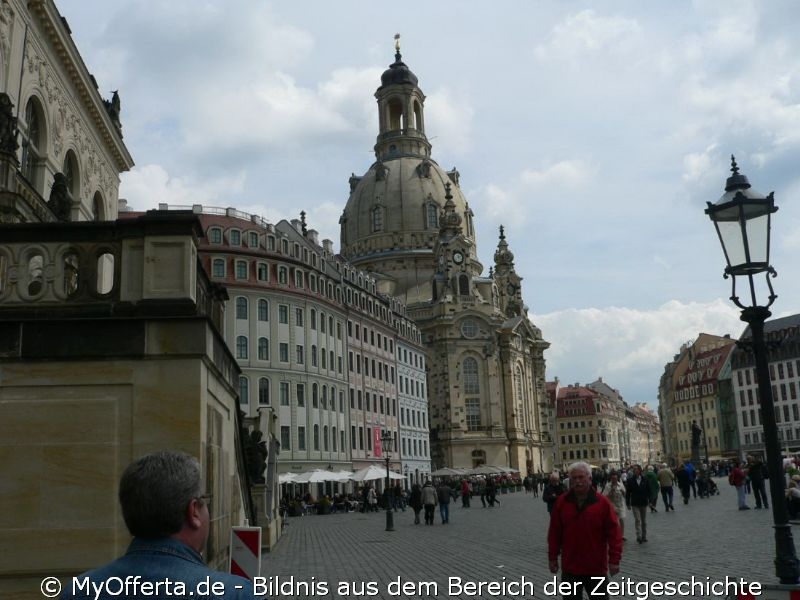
(334, 362)
(783, 347)
(408, 224)
(695, 390)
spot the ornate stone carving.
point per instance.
(6, 21)
(60, 201)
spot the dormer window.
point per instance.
(252, 239)
(431, 215)
(215, 235)
(235, 237)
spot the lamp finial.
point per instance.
(397, 46)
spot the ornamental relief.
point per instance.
(6, 21)
(96, 172)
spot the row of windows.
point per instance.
(320, 394)
(574, 424)
(413, 418)
(361, 438)
(415, 448)
(409, 386)
(370, 336)
(319, 358)
(329, 439)
(579, 439)
(415, 358)
(373, 403)
(383, 372)
(576, 454)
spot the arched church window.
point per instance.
(470, 371)
(70, 170)
(98, 210)
(32, 141)
(417, 116)
(377, 219)
(431, 216)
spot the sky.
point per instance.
(595, 132)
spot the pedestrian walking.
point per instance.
(637, 498)
(415, 501)
(444, 494)
(666, 481)
(428, 501)
(652, 487)
(737, 478)
(692, 477)
(584, 531)
(553, 490)
(615, 492)
(684, 485)
(465, 493)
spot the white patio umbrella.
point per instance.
(342, 475)
(448, 472)
(286, 477)
(486, 470)
(373, 472)
(315, 476)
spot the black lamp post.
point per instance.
(387, 443)
(742, 219)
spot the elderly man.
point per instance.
(585, 532)
(168, 515)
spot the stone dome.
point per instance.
(398, 72)
(406, 196)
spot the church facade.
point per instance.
(408, 223)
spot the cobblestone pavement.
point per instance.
(708, 538)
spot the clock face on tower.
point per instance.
(458, 258)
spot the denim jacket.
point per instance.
(161, 569)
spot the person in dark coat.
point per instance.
(637, 498)
(684, 482)
(415, 501)
(757, 472)
(552, 491)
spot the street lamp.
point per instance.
(742, 219)
(387, 443)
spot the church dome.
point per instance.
(398, 73)
(396, 207)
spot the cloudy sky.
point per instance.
(595, 132)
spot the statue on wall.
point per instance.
(256, 456)
(60, 201)
(8, 126)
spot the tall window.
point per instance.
(263, 272)
(244, 389)
(301, 394)
(298, 317)
(284, 391)
(263, 348)
(241, 307)
(241, 347)
(283, 352)
(432, 216)
(283, 314)
(241, 269)
(316, 437)
(218, 267)
(286, 437)
(263, 391)
(70, 171)
(32, 138)
(263, 310)
(472, 400)
(301, 438)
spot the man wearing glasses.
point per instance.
(168, 516)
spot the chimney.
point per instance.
(313, 236)
(298, 225)
(327, 245)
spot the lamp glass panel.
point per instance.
(757, 238)
(731, 234)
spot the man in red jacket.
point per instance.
(585, 531)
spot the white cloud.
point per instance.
(586, 33)
(626, 344)
(448, 122)
(148, 186)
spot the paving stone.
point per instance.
(708, 538)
